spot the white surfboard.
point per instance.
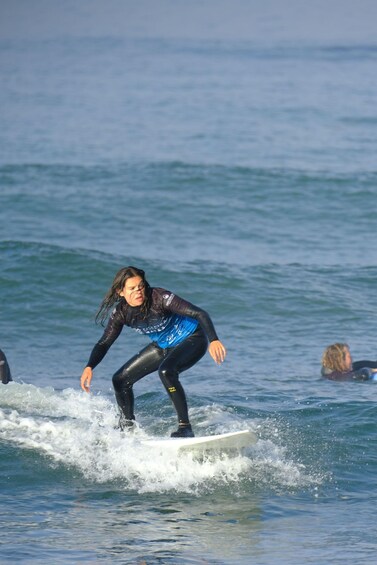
(220, 442)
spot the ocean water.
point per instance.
(236, 165)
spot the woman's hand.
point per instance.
(86, 378)
(217, 351)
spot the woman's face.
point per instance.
(348, 359)
(133, 291)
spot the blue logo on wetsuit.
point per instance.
(169, 331)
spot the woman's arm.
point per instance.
(111, 333)
(184, 308)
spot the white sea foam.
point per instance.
(77, 430)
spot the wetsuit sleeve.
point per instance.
(178, 305)
(5, 375)
(356, 365)
(111, 333)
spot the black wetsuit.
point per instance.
(4, 369)
(361, 371)
(180, 333)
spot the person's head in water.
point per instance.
(129, 283)
(337, 357)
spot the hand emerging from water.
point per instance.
(217, 351)
(86, 378)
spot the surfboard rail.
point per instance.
(229, 440)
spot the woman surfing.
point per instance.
(180, 333)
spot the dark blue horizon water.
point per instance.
(230, 153)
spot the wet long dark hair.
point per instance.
(112, 296)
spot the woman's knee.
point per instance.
(168, 375)
(121, 380)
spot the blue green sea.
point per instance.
(229, 150)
